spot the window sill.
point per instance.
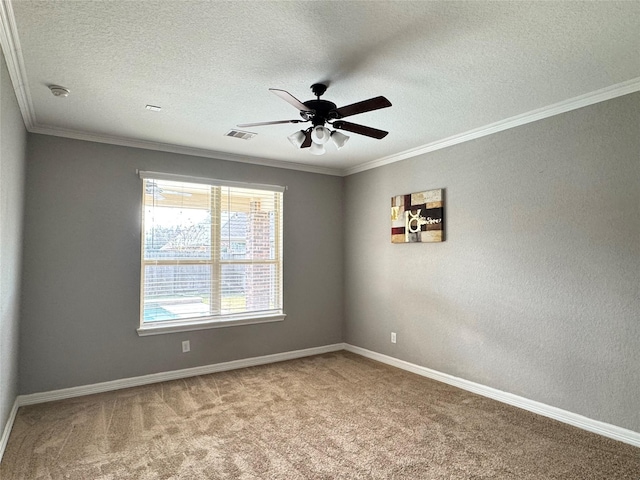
(203, 324)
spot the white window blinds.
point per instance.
(210, 250)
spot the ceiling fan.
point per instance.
(320, 112)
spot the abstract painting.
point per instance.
(418, 217)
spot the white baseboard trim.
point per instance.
(595, 426)
(53, 395)
(4, 439)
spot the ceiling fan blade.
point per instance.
(258, 124)
(360, 129)
(364, 106)
(287, 97)
(307, 139)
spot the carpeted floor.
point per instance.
(333, 416)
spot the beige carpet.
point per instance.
(334, 416)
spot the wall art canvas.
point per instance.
(418, 217)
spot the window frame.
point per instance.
(214, 321)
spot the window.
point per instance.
(211, 253)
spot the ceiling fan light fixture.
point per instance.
(339, 139)
(317, 149)
(320, 134)
(320, 112)
(297, 138)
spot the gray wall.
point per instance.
(82, 274)
(536, 290)
(13, 141)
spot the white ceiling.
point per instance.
(452, 70)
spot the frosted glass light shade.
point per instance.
(320, 134)
(316, 149)
(297, 138)
(339, 139)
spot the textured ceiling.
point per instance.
(447, 68)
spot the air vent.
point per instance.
(240, 134)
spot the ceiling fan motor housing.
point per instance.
(324, 110)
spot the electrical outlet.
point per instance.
(393, 337)
(186, 346)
